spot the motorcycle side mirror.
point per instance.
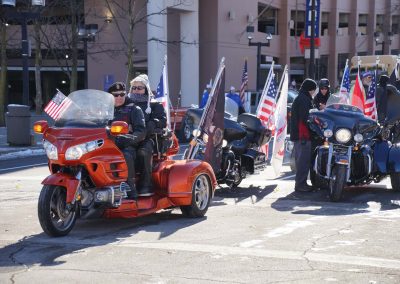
(119, 127)
(40, 126)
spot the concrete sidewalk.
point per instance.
(8, 151)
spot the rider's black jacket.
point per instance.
(133, 115)
(156, 121)
(321, 99)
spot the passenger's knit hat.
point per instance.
(308, 85)
(142, 78)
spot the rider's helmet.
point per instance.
(324, 83)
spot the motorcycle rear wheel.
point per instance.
(395, 181)
(337, 182)
(201, 197)
(56, 220)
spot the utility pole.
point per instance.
(311, 70)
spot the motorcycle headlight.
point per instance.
(224, 143)
(51, 150)
(205, 138)
(328, 133)
(358, 138)
(343, 135)
(77, 151)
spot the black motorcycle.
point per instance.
(355, 150)
(241, 155)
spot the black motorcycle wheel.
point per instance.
(186, 130)
(237, 177)
(337, 182)
(201, 197)
(395, 181)
(54, 217)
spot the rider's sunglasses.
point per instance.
(139, 88)
(118, 94)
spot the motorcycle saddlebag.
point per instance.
(253, 161)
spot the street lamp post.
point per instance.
(85, 34)
(250, 31)
(23, 17)
(377, 36)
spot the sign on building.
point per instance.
(308, 17)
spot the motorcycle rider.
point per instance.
(323, 95)
(156, 120)
(126, 110)
(205, 96)
(300, 133)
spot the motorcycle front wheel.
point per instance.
(337, 182)
(395, 181)
(54, 216)
(236, 177)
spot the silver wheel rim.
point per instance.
(201, 192)
(61, 218)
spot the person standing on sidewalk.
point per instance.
(300, 133)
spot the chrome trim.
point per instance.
(369, 164)
(329, 163)
(349, 151)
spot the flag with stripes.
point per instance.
(268, 104)
(245, 81)
(57, 106)
(370, 102)
(162, 94)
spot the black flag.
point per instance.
(213, 125)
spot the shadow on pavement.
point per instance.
(355, 200)
(256, 193)
(43, 250)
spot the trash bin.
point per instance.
(18, 122)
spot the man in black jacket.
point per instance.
(156, 121)
(126, 110)
(300, 133)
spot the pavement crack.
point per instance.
(12, 257)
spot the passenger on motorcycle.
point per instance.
(323, 95)
(126, 110)
(156, 121)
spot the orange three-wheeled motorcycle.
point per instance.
(88, 171)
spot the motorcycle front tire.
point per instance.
(337, 182)
(395, 181)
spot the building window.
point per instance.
(322, 66)
(396, 24)
(379, 23)
(362, 24)
(324, 23)
(268, 20)
(343, 29)
(298, 19)
(342, 57)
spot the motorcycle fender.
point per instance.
(381, 155)
(67, 181)
(394, 159)
(181, 177)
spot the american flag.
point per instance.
(370, 103)
(58, 104)
(245, 81)
(268, 104)
(162, 93)
(345, 87)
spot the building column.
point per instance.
(333, 53)
(156, 40)
(190, 74)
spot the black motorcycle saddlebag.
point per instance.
(253, 161)
(256, 133)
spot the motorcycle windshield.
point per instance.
(87, 108)
(341, 101)
(232, 108)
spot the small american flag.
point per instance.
(268, 104)
(245, 81)
(345, 87)
(370, 103)
(58, 104)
